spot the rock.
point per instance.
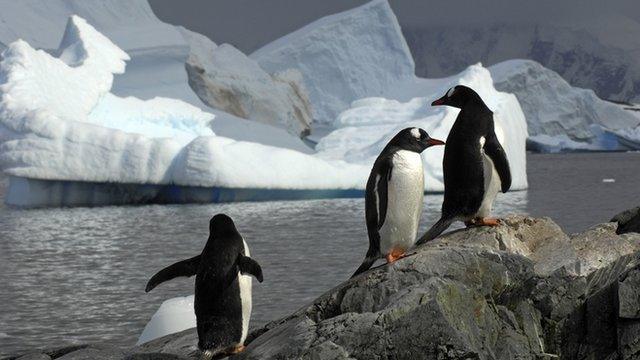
(95, 352)
(228, 80)
(449, 302)
(34, 356)
(479, 293)
(522, 290)
(594, 329)
(539, 239)
(601, 246)
(629, 295)
(183, 343)
(154, 356)
(628, 221)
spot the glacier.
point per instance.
(343, 57)
(153, 47)
(80, 143)
(561, 117)
(596, 51)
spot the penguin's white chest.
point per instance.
(492, 183)
(405, 193)
(245, 297)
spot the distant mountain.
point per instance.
(602, 54)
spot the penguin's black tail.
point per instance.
(369, 259)
(366, 264)
(437, 229)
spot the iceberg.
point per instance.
(79, 143)
(343, 57)
(173, 315)
(61, 123)
(561, 117)
(154, 47)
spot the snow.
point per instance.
(172, 316)
(560, 117)
(343, 57)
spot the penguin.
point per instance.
(223, 288)
(475, 166)
(393, 197)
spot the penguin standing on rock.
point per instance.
(394, 196)
(223, 288)
(475, 165)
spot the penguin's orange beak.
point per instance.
(433, 142)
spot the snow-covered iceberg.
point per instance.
(343, 57)
(173, 315)
(60, 122)
(153, 46)
(157, 52)
(561, 117)
(78, 142)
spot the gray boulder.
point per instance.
(226, 79)
(628, 221)
(480, 293)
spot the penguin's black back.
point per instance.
(463, 162)
(218, 305)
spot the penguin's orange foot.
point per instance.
(488, 222)
(236, 349)
(394, 255)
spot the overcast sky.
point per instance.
(249, 24)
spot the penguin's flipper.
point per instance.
(437, 229)
(249, 266)
(494, 150)
(381, 189)
(187, 268)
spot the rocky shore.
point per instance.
(522, 290)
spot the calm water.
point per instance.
(77, 275)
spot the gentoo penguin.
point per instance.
(393, 199)
(223, 291)
(475, 165)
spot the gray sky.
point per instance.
(249, 24)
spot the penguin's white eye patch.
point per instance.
(416, 133)
(451, 91)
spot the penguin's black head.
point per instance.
(221, 225)
(414, 139)
(458, 96)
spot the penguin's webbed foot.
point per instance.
(488, 222)
(482, 222)
(236, 349)
(396, 255)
